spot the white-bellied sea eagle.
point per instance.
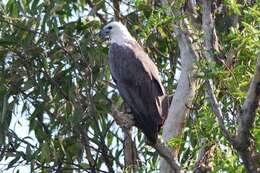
(137, 79)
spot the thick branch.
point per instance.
(125, 121)
(185, 90)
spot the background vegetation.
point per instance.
(54, 74)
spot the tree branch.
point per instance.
(125, 121)
(205, 153)
(116, 4)
(208, 27)
(185, 90)
(165, 152)
(248, 110)
(246, 119)
(241, 142)
(217, 111)
(130, 151)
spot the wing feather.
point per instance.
(138, 82)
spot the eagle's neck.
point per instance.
(122, 37)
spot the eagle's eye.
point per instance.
(110, 27)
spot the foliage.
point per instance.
(54, 74)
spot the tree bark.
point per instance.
(184, 92)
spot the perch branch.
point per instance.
(125, 121)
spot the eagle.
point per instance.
(137, 79)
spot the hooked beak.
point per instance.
(103, 33)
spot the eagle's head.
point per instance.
(116, 31)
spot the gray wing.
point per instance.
(138, 83)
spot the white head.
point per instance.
(117, 33)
